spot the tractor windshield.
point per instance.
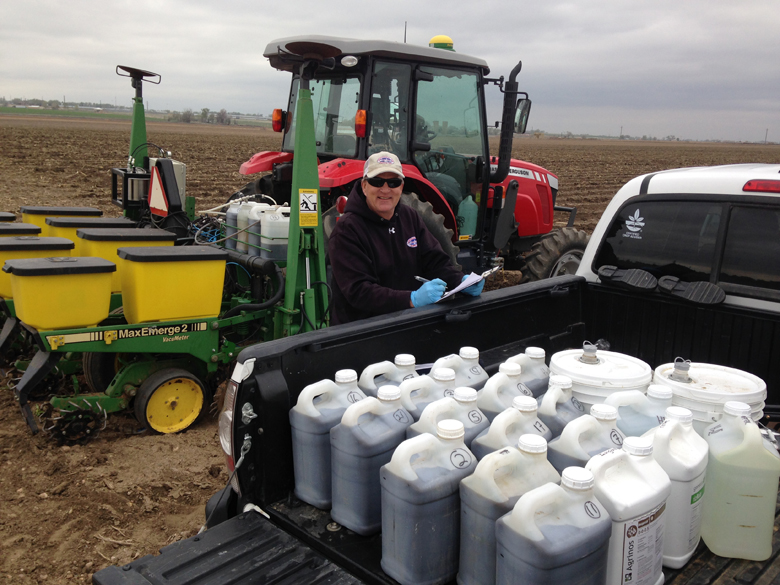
(448, 117)
(335, 103)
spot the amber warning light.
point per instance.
(278, 120)
(360, 124)
(762, 186)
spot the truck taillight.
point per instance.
(762, 186)
(240, 373)
(278, 120)
(360, 123)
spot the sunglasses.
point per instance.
(378, 182)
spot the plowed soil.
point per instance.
(66, 512)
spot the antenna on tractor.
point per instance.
(138, 129)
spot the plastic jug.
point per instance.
(274, 231)
(462, 406)
(509, 426)
(585, 437)
(319, 408)
(466, 366)
(421, 506)
(742, 476)
(555, 534)
(492, 491)
(633, 488)
(639, 412)
(364, 441)
(383, 373)
(417, 393)
(536, 374)
(254, 225)
(557, 406)
(499, 391)
(242, 224)
(231, 225)
(467, 217)
(682, 454)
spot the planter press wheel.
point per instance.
(171, 400)
(100, 369)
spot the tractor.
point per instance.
(427, 106)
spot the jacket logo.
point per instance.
(412, 242)
(391, 230)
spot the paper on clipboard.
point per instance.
(470, 280)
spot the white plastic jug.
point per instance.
(633, 488)
(499, 391)
(252, 234)
(383, 373)
(243, 223)
(461, 406)
(319, 408)
(742, 476)
(492, 491)
(557, 406)
(364, 441)
(555, 534)
(585, 437)
(421, 506)
(419, 392)
(682, 454)
(536, 375)
(274, 232)
(231, 225)
(509, 426)
(466, 366)
(639, 412)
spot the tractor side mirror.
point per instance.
(521, 115)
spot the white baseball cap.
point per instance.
(382, 162)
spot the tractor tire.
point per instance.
(435, 224)
(99, 369)
(171, 400)
(557, 253)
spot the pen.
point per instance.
(421, 279)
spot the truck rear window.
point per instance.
(751, 255)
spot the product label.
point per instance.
(697, 492)
(643, 551)
(307, 208)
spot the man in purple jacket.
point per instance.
(378, 247)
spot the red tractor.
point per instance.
(426, 105)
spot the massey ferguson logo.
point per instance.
(412, 242)
(635, 222)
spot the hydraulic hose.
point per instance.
(507, 126)
(258, 266)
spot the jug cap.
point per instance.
(443, 374)
(659, 391)
(450, 429)
(510, 369)
(577, 478)
(404, 359)
(737, 408)
(388, 393)
(589, 351)
(679, 414)
(638, 445)
(532, 443)
(562, 381)
(603, 412)
(469, 353)
(525, 403)
(346, 376)
(534, 352)
(465, 394)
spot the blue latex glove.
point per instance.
(475, 289)
(429, 293)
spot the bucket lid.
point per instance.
(659, 391)
(450, 429)
(469, 353)
(443, 374)
(577, 478)
(19, 229)
(57, 266)
(534, 352)
(7, 216)
(172, 254)
(79, 222)
(638, 445)
(388, 393)
(126, 234)
(603, 412)
(54, 210)
(679, 414)
(532, 443)
(404, 359)
(18, 243)
(465, 394)
(510, 369)
(525, 403)
(346, 376)
(612, 370)
(713, 384)
(562, 381)
(737, 408)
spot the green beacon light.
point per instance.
(442, 42)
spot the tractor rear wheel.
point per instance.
(171, 400)
(557, 253)
(435, 224)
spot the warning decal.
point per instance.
(158, 202)
(308, 207)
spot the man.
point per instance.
(378, 247)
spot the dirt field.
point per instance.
(66, 512)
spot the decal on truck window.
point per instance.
(634, 225)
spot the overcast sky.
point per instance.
(700, 69)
